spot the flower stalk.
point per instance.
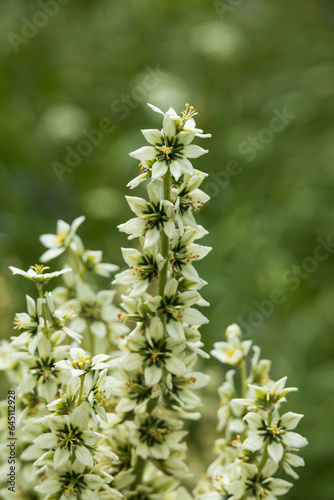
(156, 382)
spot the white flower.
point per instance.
(98, 390)
(131, 391)
(278, 436)
(171, 146)
(256, 485)
(82, 363)
(74, 482)
(153, 353)
(64, 238)
(144, 269)
(176, 307)
(42, 372)
(155, 435)
(94, 312)
(179, 388)
(151, 217)
(185, 252)
(187, 198)
(267, 395)
(35, 273)
(92, 260)
(69, 437)
(188, 121)
(233, 351)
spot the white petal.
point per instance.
(294, 440)
(60, 457)
(290, 420)
(175, 366)
(175, 169)
(156, 329)
(90, 438)
(99, 329)
(80, 416)
(132, 226)
(189, 298)
(16, 270)
(46, 441)
(131, 362)
(186, 166)
(199, 379)
(253, 443)
(193, 151)
(52, 253)
(49, 486)
(76, 352)
(169, 126)
(99, 358)
(175, 330)
(84, 456)
(275, 451)
(193, 317)
(27, 384)
(151, 237)
(153, 136)
(159, 168)
(137, 205)
(279, 486)
(144, 153)
(185, 137)
(254, 420)
(31, 305)
(154, 108)
(152, 374)
(77, 223)
(171, 288)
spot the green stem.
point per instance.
(139, 472)
(162, 281)
(265, 452)
(82, 379)
(79, 268)
(164, 240)
(91, 341)
(243, 373)
(41, 296)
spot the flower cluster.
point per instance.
(95, 314)
(259, 440)
(76, 392)
(154, 378)
(73, 452)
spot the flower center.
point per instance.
(166, 151)
(83, 362)
(69, 437)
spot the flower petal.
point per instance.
(60, 457)
(46, 441)
(159, 168)
(144, 153)
(84, 456)
(275, 450)
(153, 136)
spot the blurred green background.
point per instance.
(68, 67)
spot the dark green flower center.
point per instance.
(44, 370)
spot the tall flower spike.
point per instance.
(257, 441)
(156, 381)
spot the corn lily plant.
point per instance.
(258, 441)
(104, 394)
